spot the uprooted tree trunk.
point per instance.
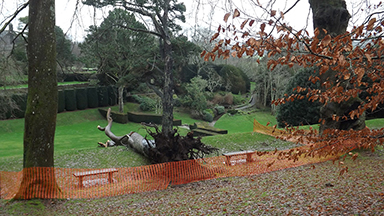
(163, 148)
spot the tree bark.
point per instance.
(121, 98)
(41, 112)
(333, 16)
(167, 97)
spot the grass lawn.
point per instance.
(77, 136)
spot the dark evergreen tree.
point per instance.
(302, 111)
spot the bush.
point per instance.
(220, 110)
(238, 100)
(146, 103)
(208, 115)
(232, 111)
(195, 98)
(228, 99)
(235, 80)
(303, 111)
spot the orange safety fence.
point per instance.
(74, 183)
(97, 183)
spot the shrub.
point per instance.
(238, 99)
(146, 103)
(217, 99)
(303, 111)
(195, 98)
(235, 80)
(208, 115)
(220, 110)
(232, 111)
(228, 99)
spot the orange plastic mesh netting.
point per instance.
(94, 183)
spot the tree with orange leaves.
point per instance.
(349, 64)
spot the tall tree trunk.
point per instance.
(167, 120)
(121, 98)
(40, 115)
(333, 16)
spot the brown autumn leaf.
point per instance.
(226, 16)
(236, 13)
(203, 53)
(262, 27)
(360, 73)
(326, 40)
(244, 23)
(251, 23)
(273, 13)
(371, 23)
(369, 57)
(282, 15)
(214, 37)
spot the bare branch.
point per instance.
(22, 7)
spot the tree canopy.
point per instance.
(343, 57)
(163, 15)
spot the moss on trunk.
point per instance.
(40, 115)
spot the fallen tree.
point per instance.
(162, 148)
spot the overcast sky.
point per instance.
(199, 13)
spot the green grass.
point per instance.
(77, 137)
(60, 83)
(375, 123)
(244, 123)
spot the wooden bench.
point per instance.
(229, 155)
(81, 175)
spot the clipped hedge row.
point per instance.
(203, 126)
(70, 99)
(121, 118)
(148, 118)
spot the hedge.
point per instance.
(102, 96)
(81, 98)
(121, 118)
(112, 95)
(93, 99)
(21, 102)
(70, 99)
(149, 118)
(61, 101)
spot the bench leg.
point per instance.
(228, 160)
(81, 181)
(249, 157)
(110, 177)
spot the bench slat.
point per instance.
(94, 172)
(238, 153)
